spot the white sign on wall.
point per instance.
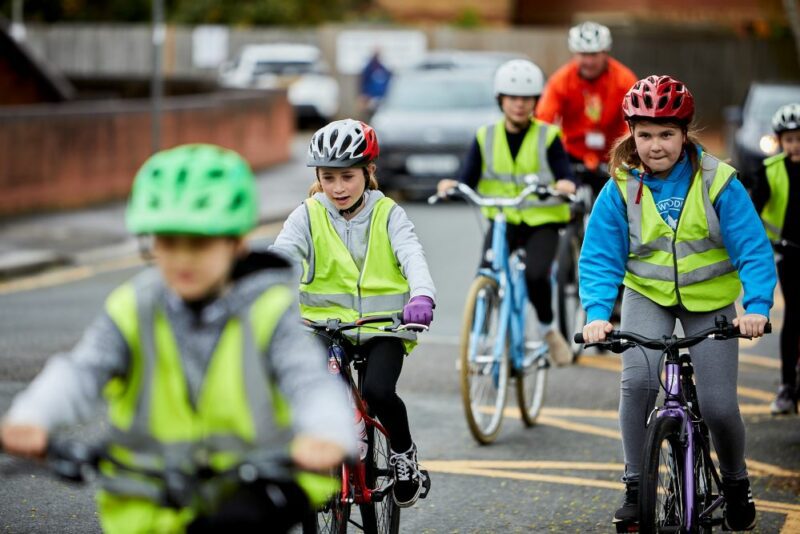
(209, 46)
(398, 49)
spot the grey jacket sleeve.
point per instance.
(318, 400)
(68, 388)
(294, 240)
(409, 253)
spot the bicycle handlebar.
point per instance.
(337, 326)
(619, 340)
(466, 191)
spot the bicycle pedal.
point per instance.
(627, 526)
(426, 483)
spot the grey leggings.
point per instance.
(715, 374)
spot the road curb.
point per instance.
(22, 262)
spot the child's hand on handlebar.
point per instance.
(315, 454)
(563, 186)
(23, 440)
(444, 186)
(751, 324)
(418, 310)
(596, 331)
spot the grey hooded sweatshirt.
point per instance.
(295, 242)
(69, 387)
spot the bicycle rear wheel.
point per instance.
(661, 488)
(379, 517)
(571, 317)
(484, 374)
(531, 377)
(333, 517)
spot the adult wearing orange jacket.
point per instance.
(585, 97)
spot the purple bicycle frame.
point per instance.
(673, 408)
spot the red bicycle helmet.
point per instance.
(659, 97)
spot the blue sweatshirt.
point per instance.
(605, 248)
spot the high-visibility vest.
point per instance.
(333, 287)
(774, 212)
(154, 426)
(502, 175)
(688, 266)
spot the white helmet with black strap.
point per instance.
(518, 77)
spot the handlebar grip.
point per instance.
(768, 328)
(579, 338)
(433, 199)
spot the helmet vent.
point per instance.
(662, 102)
(648, 101)
(237, 201)
(201, 203)
(216, 174)
(635, 100)
(181, 178)
(156, 173)
(677, 103)
(154, 202)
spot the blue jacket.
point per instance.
(605, 248)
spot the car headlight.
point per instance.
(768, 144)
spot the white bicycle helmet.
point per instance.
(343, 143)
(518, 77)
(589, 38)
(786, 118)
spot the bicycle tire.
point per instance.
(570, 314)
(704, 483)
(476, 366)
(381, 517)
(531, 378)
(661, 486)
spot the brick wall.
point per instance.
(75, 154)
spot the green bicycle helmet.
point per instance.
(193, 189)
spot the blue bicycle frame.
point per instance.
(508, 270)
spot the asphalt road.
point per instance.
(559, 476)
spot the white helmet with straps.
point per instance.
(786, 118)
(589, 38)
(518, 77)
(343, 143)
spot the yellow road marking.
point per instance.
(526, 464)
(577, 412)
(761, 361)
(74, 274)
(442, 467)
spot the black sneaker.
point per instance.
(629, 511)
(407, 478)
(740, 511)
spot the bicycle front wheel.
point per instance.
(571, 317)
(661, 487)
(484, 372)
(380, 516)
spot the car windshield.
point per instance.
(412, 93)
(283, 68)
(767, 100)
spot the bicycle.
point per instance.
(494, 341)
(264, 479)
(676, 489)
(366, 483)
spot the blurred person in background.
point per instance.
(584, 98)
(375, 78)
(496, 164)
(776, 196)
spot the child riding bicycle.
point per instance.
(501, 156)
(360, 257)
(201, 359)
(677, 228)
(776, 196)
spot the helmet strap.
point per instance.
(354, 207)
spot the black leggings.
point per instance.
(790, 334)
(540, 244)
(384, 357)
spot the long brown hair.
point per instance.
(623, 155)
(369, 177)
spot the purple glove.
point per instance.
(418, 310)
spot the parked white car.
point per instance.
(299, 68)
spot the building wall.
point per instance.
(75, 154)
(428, 11)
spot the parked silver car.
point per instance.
(426, 124)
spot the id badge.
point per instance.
(595, 140)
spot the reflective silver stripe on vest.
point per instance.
(312, 262)
(667, 274)
(772, 228)
(544, 172)
(664, 244)
(373, 304)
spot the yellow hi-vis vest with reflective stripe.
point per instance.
(333, 287)
(502, 175)
(688, 266)
(774, 212)
(154, 426)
